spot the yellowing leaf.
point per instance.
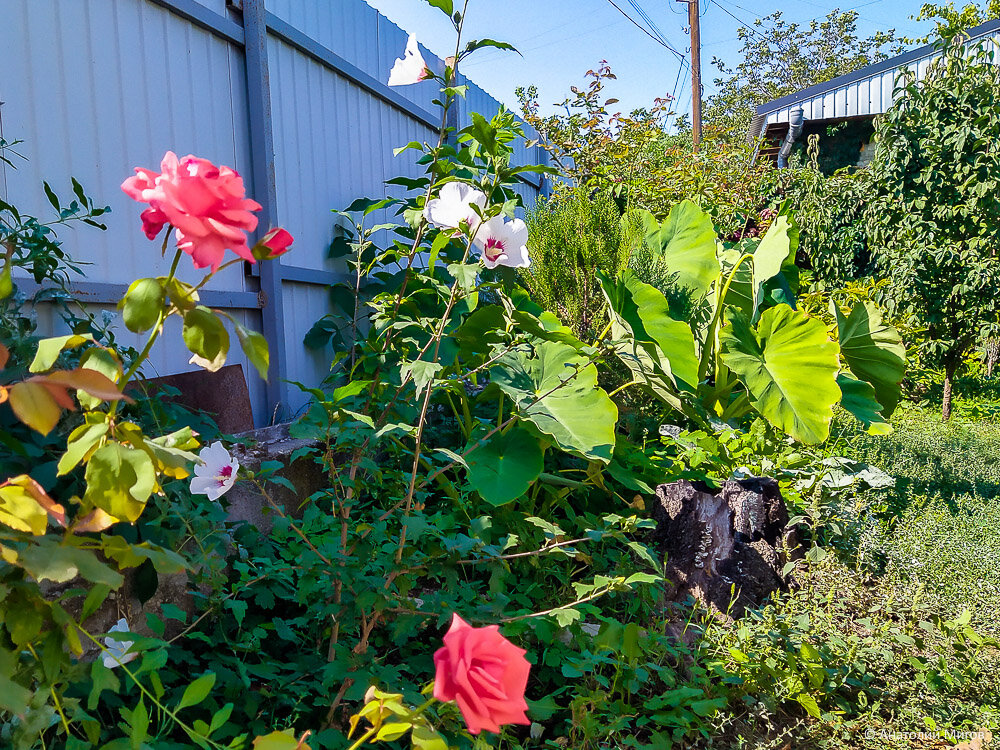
(120, 480)
(49, 350)
(35, 405)
(85, 379)
(25, 506)
(281, 741)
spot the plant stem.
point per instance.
(190, 730)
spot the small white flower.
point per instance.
(410, 68)
(217, 472)
(116, 647)
(503, 243)
(454, 205)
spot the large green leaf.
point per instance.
(120, 480)
(773, 256)
(859, 399)
(503, 468)
(687, 243)
(556, 389)
(873, 351)
(644, 311)
(788, 365)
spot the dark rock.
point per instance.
(726, 549)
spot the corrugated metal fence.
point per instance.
(291, 93)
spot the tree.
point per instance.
(935, 215)
(949, 20)
(780, 58)
(634, 160)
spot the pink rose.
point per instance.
(274, 243)
(484, 673)
(206, 205)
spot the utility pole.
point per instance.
(694, 21)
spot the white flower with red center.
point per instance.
(503, 243)
(116, 655)
(410, 68)
(455, 205)
(216, 473)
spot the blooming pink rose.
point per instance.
(274, 243)
(206, 205)
(484, 673)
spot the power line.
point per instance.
(649, 21)
(749, 27)
(675, 92)
(646, 31)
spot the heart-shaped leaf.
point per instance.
(503, 468)
(788, 365)
(556, 389)
(873, 351)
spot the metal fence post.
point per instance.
(265, 192)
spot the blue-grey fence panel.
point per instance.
(97, 87)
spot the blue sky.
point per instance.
(561, 39)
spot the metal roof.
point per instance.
(867, 91)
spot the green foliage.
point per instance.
(949, 20)
(789, 367)
(73, 493)
(635, 161)
(936, 209)
(779, 58)
(572, 236)
(755, 353)
(831, 213)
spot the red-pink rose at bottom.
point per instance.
(484, 673)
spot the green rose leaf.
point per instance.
(503, 469)
(142, 304)
(49, 349)
(860, 400)
(80, 442)
(788, 365)
(556, 389)
(120, 480)
(873, 351)
(687, 243)
(255, 348)
(206, 338)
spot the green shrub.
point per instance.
(572, 237)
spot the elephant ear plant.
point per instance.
(751, 351)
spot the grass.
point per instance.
(935, 538)
(895, 633)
